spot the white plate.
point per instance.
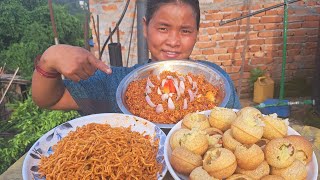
(44, 144)
(312, 167)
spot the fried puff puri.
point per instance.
(228, 141)
(239, 177)
(248, 110)
(247, 128)
(195, 120)
(219, 163)
(280, 153)
(297, 170)
(274, 127)
(214, 137)
(262, 170)
(185, 161)
(200, 174)
(222, 118)
(272, 177)
(249, 157)
(175, 139)
(195, 141)
(303, 148)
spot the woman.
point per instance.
(170, 27)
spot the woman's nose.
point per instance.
(173, 39)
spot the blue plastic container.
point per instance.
(281, 110)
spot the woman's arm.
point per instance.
(74, 63)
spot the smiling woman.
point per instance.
(172, 31)
(170, 28)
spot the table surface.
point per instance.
(311, 133)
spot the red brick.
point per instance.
(259, 54)
(271, 47)
(273, 53)
(296, 39)
(270, 19)
(273, 26)
(204, 38)
(199, 57)
(298, 32)
(310, 24)
(254, 48)
(227, 62)
(196, 51)
(231, 23)
(213, 57)
(216, 37)
(296, 18)
(272, 12)
(237, 62)
(235, 49)
(213, 11)
(222, 29)
(256, 41)
(253, 35)
(234, 29)
(258, 27)
(310, 51)
(294, 46)
(312, 31)
(228, 43)
(312, 39)
(224, 57)
(207, 51)
(220, 50)
(263, 60)
(239, 36)
(312, 18)
(236, 56)
(312, 3)
(270, 34)
(244, 28)
(311, 45)
(228, 69)
(227, 36)
(235, 69)
(206, 24)
(211, 31)
(111, 7)
(273, 40)
(205, 44)
(214, 16)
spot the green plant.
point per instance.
(28, 122)
(255, 73)
(27, 32)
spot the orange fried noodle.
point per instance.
(136, 101)
(97, 151)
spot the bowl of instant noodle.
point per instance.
(100, 146)
(165, 91)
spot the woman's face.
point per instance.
(171, 32)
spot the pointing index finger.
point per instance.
(99, 64)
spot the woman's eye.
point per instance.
(162, 29)
(186, 31)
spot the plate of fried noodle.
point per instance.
(99, 146)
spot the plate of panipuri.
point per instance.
(231, 144)
(99, 146)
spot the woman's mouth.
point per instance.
(171, 54)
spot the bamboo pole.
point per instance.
(5, 92)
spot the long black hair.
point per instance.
(154, 5)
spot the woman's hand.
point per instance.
(73, 62)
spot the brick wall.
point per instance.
(253, 42)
